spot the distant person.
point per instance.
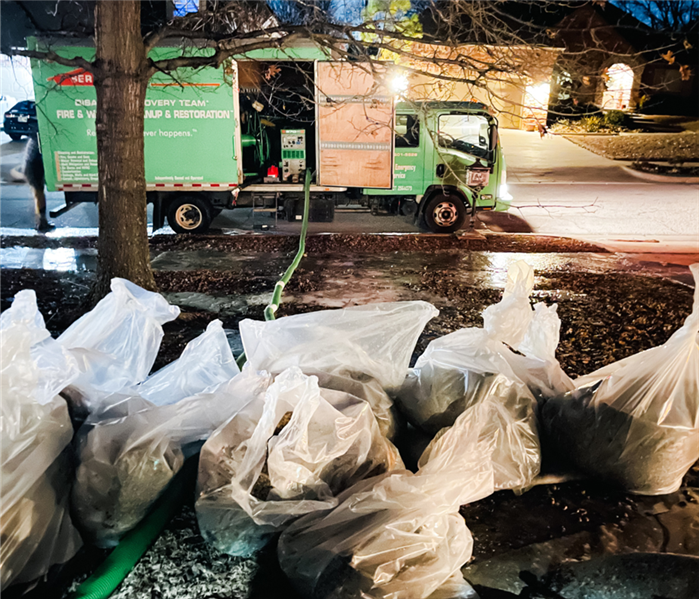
(34, 174)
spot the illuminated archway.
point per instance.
(618, 81)
(536, 104)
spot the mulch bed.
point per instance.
(321, 244)
(675, 147)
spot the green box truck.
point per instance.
(243, 136)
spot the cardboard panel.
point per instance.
(355, 127)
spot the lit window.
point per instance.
(618, 80)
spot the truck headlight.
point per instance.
(504, 192)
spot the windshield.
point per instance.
(465, 132)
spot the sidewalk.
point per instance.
(553, 159)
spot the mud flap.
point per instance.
(158, 213)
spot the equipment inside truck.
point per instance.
(277, 114)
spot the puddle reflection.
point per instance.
(57, 260)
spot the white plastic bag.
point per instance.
(635, 422)
(465, 369)
(205, 362)
(128, 460)
(36, 531)
(452, 372)
(535, 334)
(116, 343)
(509, 319)
(375, 340)
(511, 421)
(288, 456)
(399, 535)
(55, 366)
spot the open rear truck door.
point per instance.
(354, 116)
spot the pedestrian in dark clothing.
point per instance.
(34, 174)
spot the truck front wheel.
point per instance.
(189, 214)
(444, 213)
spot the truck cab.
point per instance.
(448, 163)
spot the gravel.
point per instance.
(181, 565)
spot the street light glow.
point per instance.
(399, 84)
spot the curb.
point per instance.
(660, 178)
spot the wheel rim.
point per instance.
(189, 216)
(445, 214)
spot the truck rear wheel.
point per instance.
(444, 213)
(189, 214)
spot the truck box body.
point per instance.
(190, 126)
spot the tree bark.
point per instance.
(121, 80)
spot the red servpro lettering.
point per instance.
(74, 77)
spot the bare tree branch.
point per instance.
(51, 56)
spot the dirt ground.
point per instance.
(674, 147)
(607, 313)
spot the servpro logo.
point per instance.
(75, 77)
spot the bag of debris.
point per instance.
(457, 369)
(116, 343)
(376, 340)
(36, 531)
(530, 336)
(635, 422)
(288, 456)
(130, 455)
(511, 421)
(398, 535)
(205, 362)
(364, 350)
(466, 369)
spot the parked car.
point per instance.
(21, 120)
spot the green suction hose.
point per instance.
(273, 306)
(135, 543)
(279, 287)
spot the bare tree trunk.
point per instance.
(121, 79)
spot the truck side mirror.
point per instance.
(493, 137)
(441, 169)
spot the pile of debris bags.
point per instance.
(136, 438)
(35, 433)
(635, 422)
(299, 444)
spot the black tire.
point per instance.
(15, 136)
(189, 214)
(444, 213)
